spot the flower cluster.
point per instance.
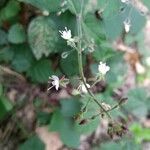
(82, 88)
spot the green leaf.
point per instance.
(10, 10)
(140, 133)
(43, 118)
(146, 3)
(113, 26)
(136, 103)
(16, 34)
(48, 5)
(69, 65)
(42, 36)
(70, 107)
(22, 59)
(111, 8)
(97, 32)
(3, 37)
(110, 145)
(123, 144)
(6, 54)
(137, 19)
(5, 106)
(40, 71)
(92, 109)
(32, 143)
(118, 68)
(103, 53)
(68, 134)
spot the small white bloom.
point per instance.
(55, 82)
(46, 13)
(106, 106)
(82, 88)
(103, 68)
(66, 34)
(124, 1)
(140, 68)
(127, 25)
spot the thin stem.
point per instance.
(79, 44)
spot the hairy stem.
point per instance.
(79, 46)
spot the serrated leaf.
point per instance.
(40, 71)
(32, 143)
(70, 107)
(6, 54)
(103, 53)
(42, 36)
(123, 144)
(136, 103)
(16, 34)
(66, 130)
(22, 59)
(10, 10)
(3, 37)
(117, 70)
(97, 33)
(113, 26)
(69, 65)
(48, 5)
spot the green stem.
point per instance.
(79, 46)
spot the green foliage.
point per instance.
(70, 107)
(42, 36)
(6, 54)
(97, 33)
(9, 11)
(69, 65)
(40, 71)
(48, 5)
(68, 134)
(31, 45)
(117, 71)
(3, 37)
(137, 102)
(32, 143)
(43, 118)
(16, 34)
(22, 58)
(123, 144)
(140, 133)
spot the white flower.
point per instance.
(66, 34)
(46, 13)
(103, 68)
(124, 1)
(127, 25)
(106, 106)
(83, 88)
(55, 82)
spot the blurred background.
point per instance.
(31, 50)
